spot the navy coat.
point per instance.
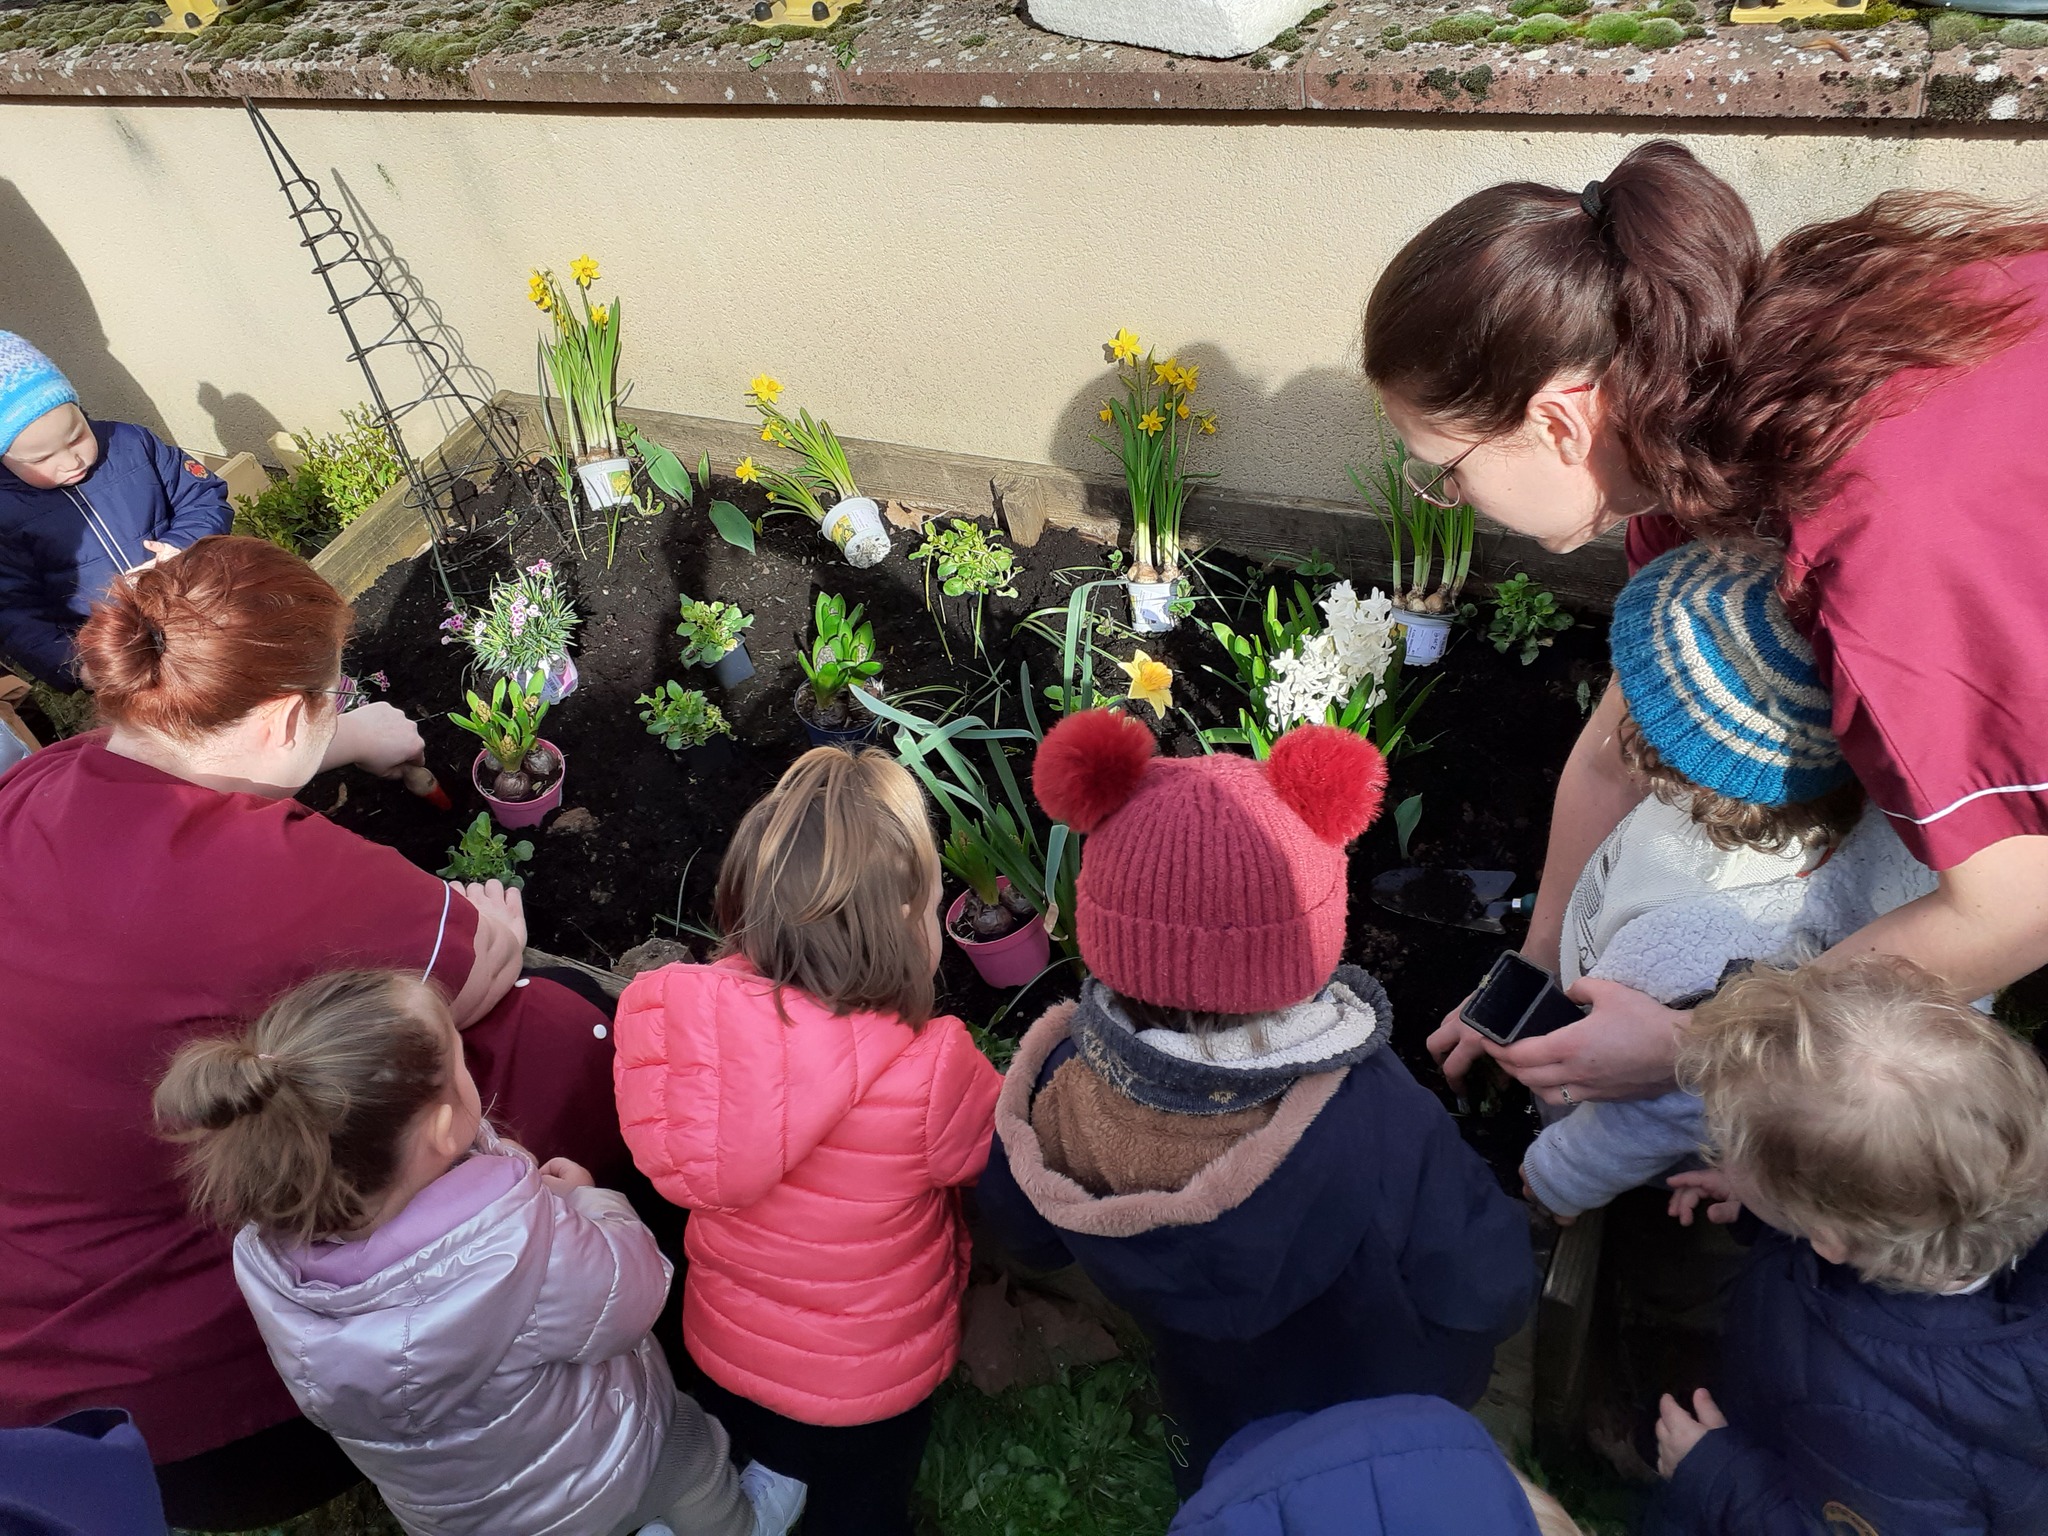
(1380, 1256)
(1917, 1415)
(61, 549)
(88, 1474)
(1394, 1466)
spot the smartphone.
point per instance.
(1519, 1000)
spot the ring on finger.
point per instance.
(1565, 1094)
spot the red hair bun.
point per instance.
(1332, 779)
(1089, 765)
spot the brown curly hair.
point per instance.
(1731, 824)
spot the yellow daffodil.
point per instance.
(537, 291)
(766, 391)
(1152, 422)
(1190, 377)
(1180, 409)
(1123, 346)
(600, 316)
(1167, 372)
(1151, 682)
(746, 471)
(768, 433)
(1209, 426)
(1106, 414)
(584, 270)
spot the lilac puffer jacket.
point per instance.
(483, 1357)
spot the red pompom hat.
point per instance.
(1214, 883)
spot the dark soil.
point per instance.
(637, 842)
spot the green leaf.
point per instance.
(663, 467)
(1407, 816)
(704, 471)
(732, 525)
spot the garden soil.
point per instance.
(635, 848)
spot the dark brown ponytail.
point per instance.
(298, 1124)
(1736, 382)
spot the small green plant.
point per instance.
(710, 630)
(1154, 423)
(290, 514)
(339, 475)
(669, 474)
(1524, 615)
(1431, 545)
(967, 563)
(485, 855)
(823, 471)
(524, 626)
(68, 713)
(581, 361)
(841, 656)
(508, 724)
(1407, 817)
(682, 717)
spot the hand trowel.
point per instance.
(1459, 898)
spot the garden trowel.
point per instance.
(1459, 898)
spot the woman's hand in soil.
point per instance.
(375, 737)
(561, 1175)
(1623, 1049)
(500, 949)
(1704, 1186)
(1678, 1431)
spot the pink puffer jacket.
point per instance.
(819, 1159)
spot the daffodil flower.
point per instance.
(1106, 414)
(1180, 409)
(746, 471)
(1152, 422)
(1151, 683)
(537, 291)
(584, 270)
(1123, 346)
(600, 316)
(1208, 426)
(1167, 372)
(1190, 377)
(765, 390)
(768, 433)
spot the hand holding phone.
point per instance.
(1519, 1000)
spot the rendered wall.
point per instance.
(940, 281)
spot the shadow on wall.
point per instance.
(241, 422)
(46, 300)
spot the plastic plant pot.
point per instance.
(559, 680)
(606, 482)
(708, 759)
(1427, 635)
(1151, 606)
(856, 526)
(832, 736)
(511, 814)
(1011, 960)
(733, 668)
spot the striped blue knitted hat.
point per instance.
(30, 385)
(1718, 680)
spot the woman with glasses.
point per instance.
(158, 880)
(1867, 396)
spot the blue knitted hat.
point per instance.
(30, 385)
(1718, 680)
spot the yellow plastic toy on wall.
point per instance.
(1762, 11)
(817, 14)
(190, 15)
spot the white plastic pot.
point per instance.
(559, 681)
(1151, 606)
(606, 482)
(1427, 634)
(1209, 29)
(856, 526)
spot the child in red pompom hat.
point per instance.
(1217, 1131)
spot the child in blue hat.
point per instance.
(1755, 844)
(81, 503)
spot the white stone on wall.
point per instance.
(1208, 29)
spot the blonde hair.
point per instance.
(1870, 1105)
(299, 1122)
(813, 887)
(1552, 1519)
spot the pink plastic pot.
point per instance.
(522, 813)
(1011, 960)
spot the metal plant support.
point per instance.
(385, 335)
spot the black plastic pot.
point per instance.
(829, 736)
(709, 758)
(733, 668)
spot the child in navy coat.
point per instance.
(81, 502)
(1218, 1131)
(1885, 1356)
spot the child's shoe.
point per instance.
(778, 1501)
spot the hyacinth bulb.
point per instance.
(541, 762)
(511, 784)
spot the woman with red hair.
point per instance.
(1867, 396)
(160, 883)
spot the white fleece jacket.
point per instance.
(1661, 909)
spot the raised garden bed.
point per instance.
(637, 843)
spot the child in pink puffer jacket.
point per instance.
(800, 1099)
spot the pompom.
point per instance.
(1332, 779)
(1089, 765)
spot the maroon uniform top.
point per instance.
(1923, 585)
(138, 910)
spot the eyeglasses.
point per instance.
(1432, 482)
(347, 696)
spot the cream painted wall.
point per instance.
(938, 281)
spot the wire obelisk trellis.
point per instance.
(479, 439)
